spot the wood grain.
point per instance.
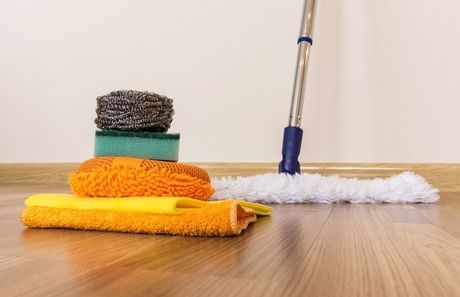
(39, 173)
(445, 177)
(365, 251)
(302, 250)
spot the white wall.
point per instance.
(384, 82)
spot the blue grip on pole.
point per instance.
(292, 142)
(305, 39)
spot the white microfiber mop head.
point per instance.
(406, 187)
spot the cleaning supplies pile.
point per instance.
(132, 185)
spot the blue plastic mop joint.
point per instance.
(292, 142)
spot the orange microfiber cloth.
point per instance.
(151, 215)
(123, 177)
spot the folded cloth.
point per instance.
(151, 215)
(125, 177)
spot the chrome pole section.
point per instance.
(305, 41)
(292, 139)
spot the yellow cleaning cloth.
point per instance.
(153, 215)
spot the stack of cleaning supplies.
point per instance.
(129, 187)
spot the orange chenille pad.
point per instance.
(123, 177)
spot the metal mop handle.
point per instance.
(292, 139)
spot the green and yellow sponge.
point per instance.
(145, 145)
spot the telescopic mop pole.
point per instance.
(292, 140)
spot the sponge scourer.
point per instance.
(146, 145)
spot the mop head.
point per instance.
(123, 177)
(150, 215)
(134, 111)
(406, 187)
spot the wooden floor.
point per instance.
(302, 250)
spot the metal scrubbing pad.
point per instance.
(129, 110)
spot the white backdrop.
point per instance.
(384, 82)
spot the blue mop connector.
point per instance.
(292, 142)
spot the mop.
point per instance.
(289, 186)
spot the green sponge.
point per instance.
(145, 145)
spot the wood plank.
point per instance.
(302, 250)
(91, 261)
(35, 173)
(363, 251)
(445, 214)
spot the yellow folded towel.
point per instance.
(152, 215)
